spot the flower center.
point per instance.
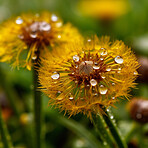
(86, 67)
(37, 32)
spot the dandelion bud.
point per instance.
(138, 109)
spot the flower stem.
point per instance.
(4, 133)
(37, 110)
(102, 130)
(113, 129)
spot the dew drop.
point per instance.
(34, 57)
(101, 59)
(113, 84)
(102, 89)
(19, 21)
(76, 58)
(135, 73)
(119, 68)
(108, 69)
(93, 82)
(96, 67)
(108, 110)
(118, 60)
(71, 98)
(102, 76)
(45, 26)
(54, 18)
(103, 51)
(111, 117)
(33, 35)
(59, 24)
(55, 76)
(113, 98)
(89, 40)
(21, 36)
(59, 36)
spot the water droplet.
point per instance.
(59, 36)
(76, 66)
(34, 57)
(103, 51)
(54, 18)
(113, 98)
(89, 40)
(96, 67)
(72, 73)
(19, 21)
(108, 69)
(118, 60)
(138, 115)
(119, 68)
(59, 92)
(113, 84)
(59, 24)
(93, 82)
(101, 59)
(135, 73)
(76, 58)
(111, 117)
(108, 110)
(33, 35)
(102, 76)
(55, 76)
(102, 89)
(45, 26)
(21, 36)
(71, 98)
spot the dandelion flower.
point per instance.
(24, 38)
(104, 9)
(88, 75)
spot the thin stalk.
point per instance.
(114, 131)
(102, 130)
(37, 110)
(4, 133)
(16, 105)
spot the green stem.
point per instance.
(16, 105)
(4, 133)
(37, 110)
(114, 131)
(102, 130)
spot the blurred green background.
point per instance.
(61, 132)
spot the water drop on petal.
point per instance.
(118, 60)
(108, 69)
(102, 89)
(135, 73)
(55, 76)
(93, 82)
(96, 67)
(103, 51)
(19, 21)
(76, 58)
(45, 26)
(33, 35)
(54, 18)
(71, 98)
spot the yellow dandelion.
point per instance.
(104, 9)
(24, 38)
(88, 75)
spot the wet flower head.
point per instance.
(88, 75)
(32, 33)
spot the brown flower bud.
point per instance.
(139, 110)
